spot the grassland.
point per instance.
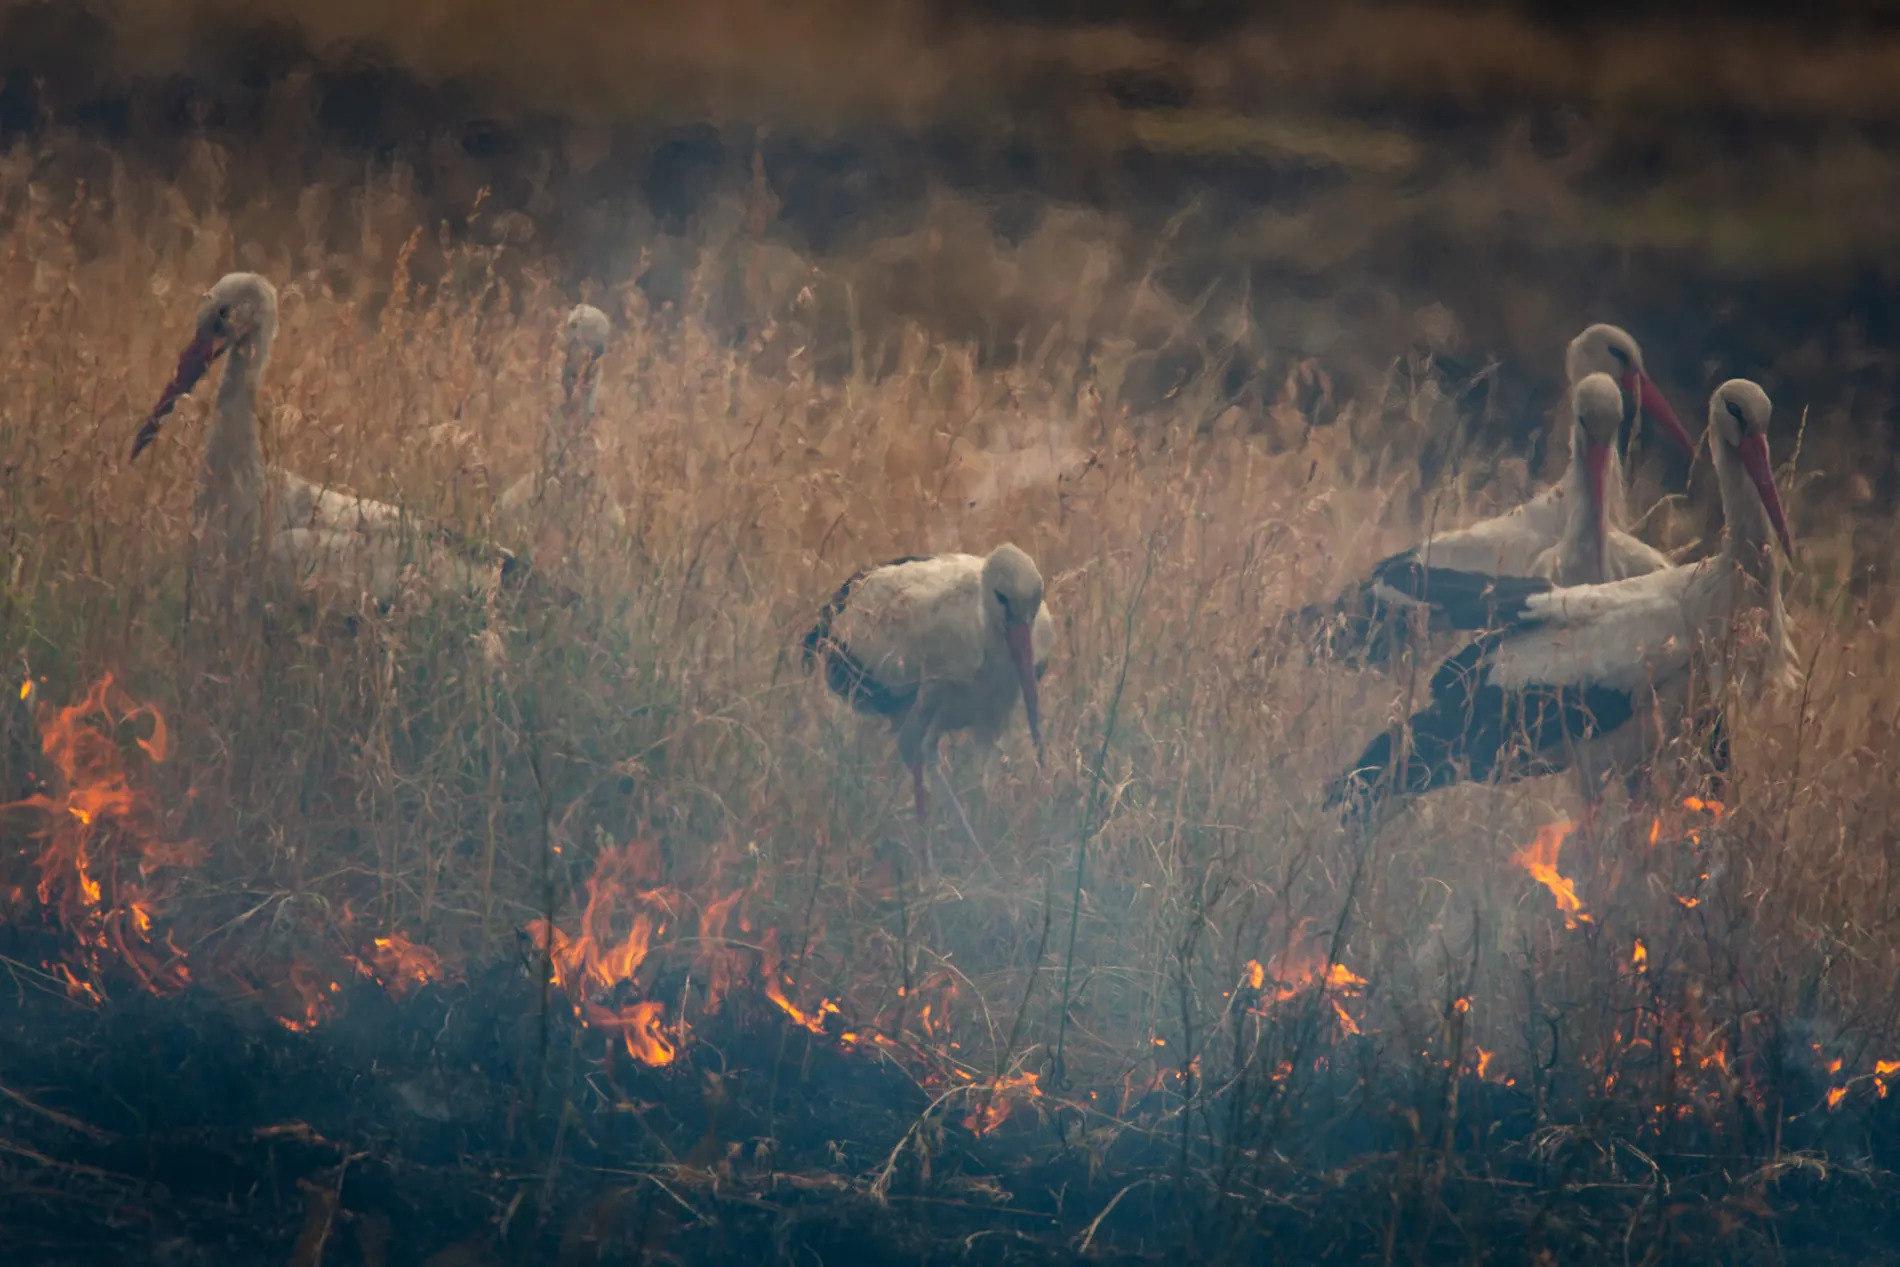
(451, 770)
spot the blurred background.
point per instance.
(1345, 184)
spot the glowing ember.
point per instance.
(399, 965)
(1639, 957)
(312, 997)
(774, 981)
(1484, 1063)
(999, 1099)
(1540, 859)
(1301, 967)
(1696, 804)
(100, 844)
(1835, 1095)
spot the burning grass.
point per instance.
(590, 874)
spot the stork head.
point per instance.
(1738, 421)
(239, 312)
(584, 335)
(1608, 349)
(1601, 409)
(1012, 589)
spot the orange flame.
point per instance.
(1299, 968)
(639, 1027)
(1540, 859)
(597, 959)
(1639, 957)
(400, 965)
(999, 1098)
(771, 974)
(1835, 1095)
(100, 841)
(313, 999)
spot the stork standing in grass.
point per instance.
(1546, 536)
(308, 532)
(938, 643)
(1597, 677)
(566, 475)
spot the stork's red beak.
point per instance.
(1596, 465)
(1022, 650)
(1754, 450)
(1642, 388)
(192, 364)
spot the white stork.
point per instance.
(1551, 534)
(306, 530)
(938, 643)
(566, 475)
(1595, 677)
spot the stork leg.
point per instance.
(943, 775)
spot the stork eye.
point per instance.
(1735, 412)
(1622, 357)
(1003, 598)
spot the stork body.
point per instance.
(938, 643)
(1555, 534)
(307, 532)
(566, 476)
(1595, 677)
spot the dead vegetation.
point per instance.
(1156, 981)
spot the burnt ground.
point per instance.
(471, 1124)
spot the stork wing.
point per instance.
(1632, 556)
(1623, 635)
(1504, 545)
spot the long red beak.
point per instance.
(192, 364)
(1023, 651)
(1755, 461)
(1640, 387)
(1596, 464)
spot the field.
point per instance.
(1153, 1001)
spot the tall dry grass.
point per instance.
(452, 769)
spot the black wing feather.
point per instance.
(1474, 730)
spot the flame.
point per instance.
(1639, 957)
(639, 1027)
(400, 965)
(1540, 859)
(1695, 804)
(1655, 829)
(770, 972)
(597, 959)
(1303, 966)
(314, 1002)
(1835, 1095)
(101, 842)
(719, 963)
(1000, 1096)
(1484, 1063)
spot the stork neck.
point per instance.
(234, 446)
(1750, 536)
(1586, 536)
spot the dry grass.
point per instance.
(451, 770)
